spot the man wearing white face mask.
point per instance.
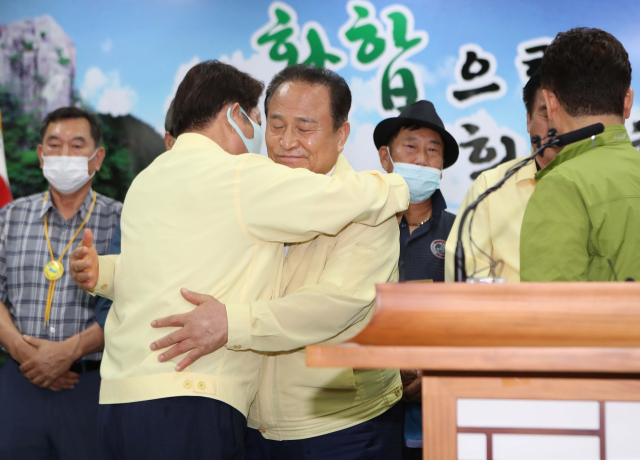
(104, 304)
(211, 217)
(416, 146)
(47, 324)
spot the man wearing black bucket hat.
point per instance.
(416, 146)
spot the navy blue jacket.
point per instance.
(422, 252)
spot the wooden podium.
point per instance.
(551, 341)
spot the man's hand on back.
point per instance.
(204, 330)
(83, 263)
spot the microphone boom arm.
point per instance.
(460, 268)
(556, 141)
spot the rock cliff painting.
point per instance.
(37, 76)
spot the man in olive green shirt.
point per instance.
(582, 222)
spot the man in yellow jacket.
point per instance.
(498, 218)
(326, 292)
(203, 217)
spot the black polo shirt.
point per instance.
(422, 252)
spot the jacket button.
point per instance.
(187, 384)
(236, 347)
(262, 430)
(202, 385)
(398, 391)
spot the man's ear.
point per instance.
(99, 158)
(628, 103)
(39, 150)
(169, 140)
(255, 115)
(240, 120)
(385, 161)
(343, 135)
(553, 105)
(528, 123)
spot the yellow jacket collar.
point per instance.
(193, 140)
(527, 173)
(342, 166)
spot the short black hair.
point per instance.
(206, 89)
(589, 72)
(339, 92)
(530, 91)
(70, 113)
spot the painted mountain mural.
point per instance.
(37, 76)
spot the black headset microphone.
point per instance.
(554, 141)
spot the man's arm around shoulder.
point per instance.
(294, 205)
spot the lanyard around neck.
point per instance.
(53, 270)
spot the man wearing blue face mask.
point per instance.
(416, 145)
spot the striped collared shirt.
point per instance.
(24, 253)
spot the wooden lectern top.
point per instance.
(524, 314)
(526, 327)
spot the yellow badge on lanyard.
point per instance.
(53, 270)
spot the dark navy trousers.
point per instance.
(181, 428)
(40, 424)
(380, 438)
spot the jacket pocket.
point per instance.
(330, 379)
(336, 379)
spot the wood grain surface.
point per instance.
(477, 359)
(504, 315)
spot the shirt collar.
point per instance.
(438, 204)
(193, 140)
(84, 207)
(527, 172)
(342, 166)
(612, 135)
